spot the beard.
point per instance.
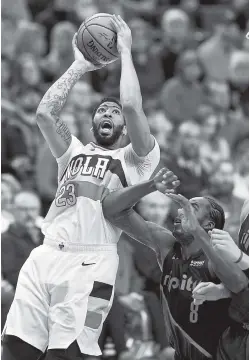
(107, 140)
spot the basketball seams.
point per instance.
(87, 27)
(95, 17)
(103, 27)
(90, 19)
(82, 40)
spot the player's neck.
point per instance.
(190, 249)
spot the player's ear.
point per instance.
(210, 225)
(124, 131)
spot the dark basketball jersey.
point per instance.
(244, 236)
(194, 330)
(239, 308)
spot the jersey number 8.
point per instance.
(66, 196)
(193, 316)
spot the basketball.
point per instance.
(97, 39)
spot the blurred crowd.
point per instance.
(192, 61)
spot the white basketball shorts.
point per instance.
(64, 293)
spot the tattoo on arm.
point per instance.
(62, 130)
(53, 101)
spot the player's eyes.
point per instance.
(116, 112)
(101, 110)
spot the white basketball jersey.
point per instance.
(86, 174)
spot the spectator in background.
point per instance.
(241, 9)
(60, 51)
(214, 148)
(26, 94)
(7, 296)
(105, 80)
(161, 128)
(10, 186)
(6, 70)
(55, 12)
(22, 236)
(8, 38)
(177, 36)
(215, 52)
(239, 82)
(187, 164)
(14, 150)
(146, 9)
(81, 102)
(6, 206)
(183, 94)
(218, 96)
(83, 9)
(16, 10)
(30, 38)
(192, 8)
(46, 173)
(146, 58)
(221, 188)
(27, 78)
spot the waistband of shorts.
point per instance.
(79, 247)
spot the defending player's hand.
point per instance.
(124, 40)
(78, 56)
(166, 181)
(224, 245)
(208, 291)
(189, 221)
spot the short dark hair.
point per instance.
(216, 214)
(106, 99)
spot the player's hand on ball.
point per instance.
(224, 245)
(166, 181)
(124, 40)
(208, 291)
(78, 56)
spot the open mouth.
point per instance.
(177, 221)
(106, 127)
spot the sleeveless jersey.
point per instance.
(194, 330)
(86, 174)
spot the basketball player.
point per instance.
(65, 288)
(234, 343)
(193, 332)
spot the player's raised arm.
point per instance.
(54, 130)
(228, 272)
(130, 94)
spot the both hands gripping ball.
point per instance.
(97, 39)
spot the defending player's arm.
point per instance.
(118, 201)
(54, 130)
(150, 234)
(130, 95)
(117, 209)
(228, 272)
